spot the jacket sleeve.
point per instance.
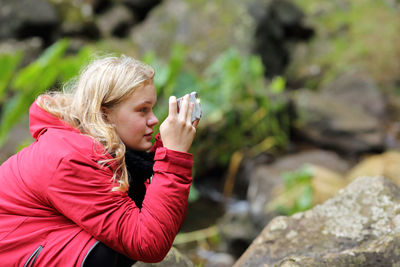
(157, 144)
(81, 191)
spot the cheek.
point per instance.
(136, 124)
(124, 123)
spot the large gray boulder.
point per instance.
(360, 226)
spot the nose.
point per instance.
(152, 121)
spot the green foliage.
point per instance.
(8, 65)
(298, 191)
(19, 88)
(241, 110)
(171, 78)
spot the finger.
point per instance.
(184, 108)
(173, 107)
(189, 114)
(195, 123)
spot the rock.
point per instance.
(31, 48)
(360, 226)
(325, 183)
(201, 26)
(82, 30)
(141, 3)
(266, 180)
(279, 25)
(78, 18)
(359, 89)
(346, 116)
(335, 48)
(265, 27)
(386, 164)
(173, 258)
(237, 228)
(216, 259)
(392, 140)
(115, 21)
(141, 7)
(27, 18)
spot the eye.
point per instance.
(144, 109)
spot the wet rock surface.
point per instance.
(360, 226)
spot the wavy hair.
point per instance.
(103, 83)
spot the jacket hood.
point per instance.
(40, 120)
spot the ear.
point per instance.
(106, 113)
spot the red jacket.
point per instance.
(56, 200)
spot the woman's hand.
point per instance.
(177, 131)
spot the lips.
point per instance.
(149, 135)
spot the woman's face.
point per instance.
(134, 118)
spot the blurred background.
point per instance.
(299, 97)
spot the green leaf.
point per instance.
(53, 53)
(291, 179)
(28, 78)
(70, 66)
(48, 79)
(278, 85)
(305, 200)
(256, 67)
(186, 82)
(38, 77)
(161, 77)
(11, 113)
(8, 65)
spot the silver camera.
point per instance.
(193, 98)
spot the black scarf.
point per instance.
(140, 168)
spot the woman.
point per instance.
(64, 199)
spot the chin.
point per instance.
(144, 147)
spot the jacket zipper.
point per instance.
(33, 257)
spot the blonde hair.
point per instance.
(103, 83)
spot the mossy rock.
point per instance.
(348, 35)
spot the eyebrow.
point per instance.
(146, 102)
